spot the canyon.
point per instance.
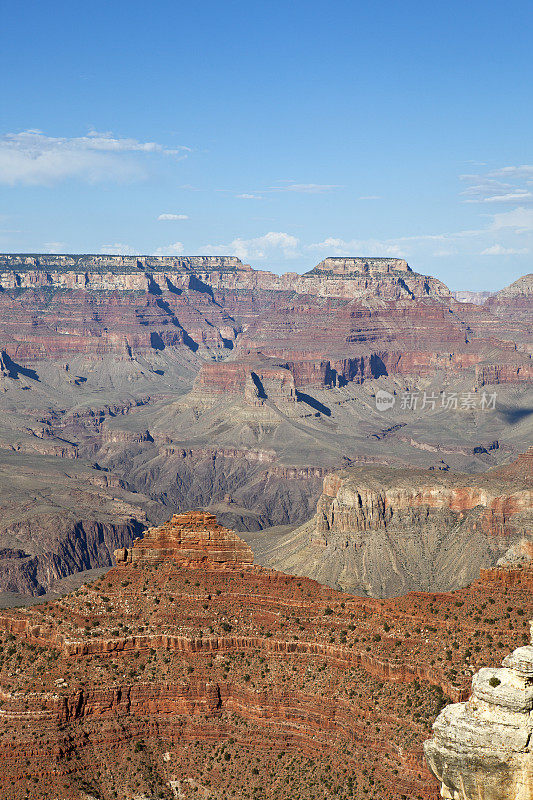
(278, 522)
(164, 383)
(186, 670)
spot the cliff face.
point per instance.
(481, 749)
(99, 356)
(384, 531)
(53, 546)
(187, 670)
(514, 301)
(60, 517)
(348, 319)
(333, 277)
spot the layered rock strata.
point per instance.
(385, 531)
(481, 749)
(183, 716)
(189, 539)
(172, 675)
(348, 319)
(333, 277)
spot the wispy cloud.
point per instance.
(55, 247)
(370, 197)
(32, 158)
(119, 249)
(507, 233)
(246, 196)
(172, 217)
(175, 249)
(520, 220)
(270, 245)
(305, 188)
(499, 250)
(507, 185)
(370, 247)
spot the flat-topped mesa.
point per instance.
(347, 277)
(342, 265)
(23, 262)
(480, 749)
(192, 539)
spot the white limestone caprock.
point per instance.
(483, 749)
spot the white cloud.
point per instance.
(523, 171)
(499, 250)
(507, 185)
(119, 249)
(171, 217)
(175, 249)
(306, 188)
(55, 247)
(370, 247)
(31, 158)
(271, 244)
(518, 196)
(249, 196)
(519, 219)
(444, 253)
(370, 197)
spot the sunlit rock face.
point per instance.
(190, 539)
(482, 749)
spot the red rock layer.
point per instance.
(190, 539)
(346, 320)
(164, 674)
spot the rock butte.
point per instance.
(481, 749)
(186, 672)
(383, 531)
(189, 539)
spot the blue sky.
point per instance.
(281, 132)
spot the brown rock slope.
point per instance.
(515, 301)
(178, 674)
(383, 532)
(61, 518)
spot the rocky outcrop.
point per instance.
(519, 371)
(384, 531)
(220, 678)
(514, 302)
(481, 749)
(256, 380)
(191, 539)
(333, 277)
(342, 265)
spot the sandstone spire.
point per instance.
(481, 749)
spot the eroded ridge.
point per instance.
(176, 675)
(191, 539)
(481, 749)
